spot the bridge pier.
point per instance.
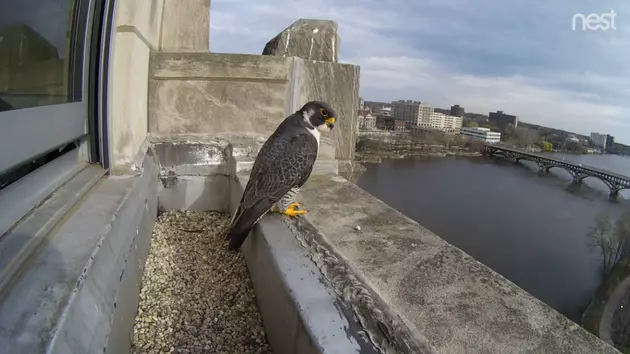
(614, 194)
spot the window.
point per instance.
(49, 65)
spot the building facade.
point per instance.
(457, 111)
(610, 144)
(481, 134)
(599, 140)
(441, 121)
(367, 120)
(384, 111)
(407, 110)
(501, 119)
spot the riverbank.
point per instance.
(593, 313)
(378, 156)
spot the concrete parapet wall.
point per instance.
(194, 93)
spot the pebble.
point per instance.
(196, 295)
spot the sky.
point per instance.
(519, 56)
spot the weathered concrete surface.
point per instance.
(195, 93)
(194, 173)
(307, 39)
(127, 98)
(337, 84)
(78, 292)
(142, 17)
(195, 170)
(217, 93)
(457, 303)
(185, 26)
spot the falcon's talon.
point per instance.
(291, 212)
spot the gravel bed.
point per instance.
(196, 295)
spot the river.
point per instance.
(528, 226)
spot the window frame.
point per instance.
(28, 133)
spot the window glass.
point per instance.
(36, 66)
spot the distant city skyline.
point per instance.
(522, 57)
(589, 134)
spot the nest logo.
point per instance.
(595, 22)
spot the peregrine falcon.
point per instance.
(282, 166)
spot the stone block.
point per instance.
(145, 16)
(210, 107)
(307, 39)
(128, 97)
(337, 84)
(186, 26)
(217, 93)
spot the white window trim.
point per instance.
(30, 132)
(26, 134)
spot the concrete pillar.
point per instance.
(136, 34)
(186, 26)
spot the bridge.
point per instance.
(579, 172)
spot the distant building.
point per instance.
(400, 125)
(385, 123)
(418, 114)
(600, 140)
(610, 144)
(457, 111)
(367, 120)
(481, 134)
(501, 119)
(361, 104)
(441, 121)
(572, 138)
(408, 111)
(384, 111)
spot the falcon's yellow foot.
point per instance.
(292, 210)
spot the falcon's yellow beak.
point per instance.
(330, 122)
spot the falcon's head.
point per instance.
(319, 115)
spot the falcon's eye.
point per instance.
(324, 112)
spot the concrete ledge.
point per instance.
(67, 296)
(301, 311)
(442, 294)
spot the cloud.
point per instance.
(521, 57)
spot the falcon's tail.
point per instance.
(243, 222)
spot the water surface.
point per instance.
(528, 226)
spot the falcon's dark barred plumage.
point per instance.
(282, 166)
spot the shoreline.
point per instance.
(378, 156)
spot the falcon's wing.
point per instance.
(283, 164)
(289, 164)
